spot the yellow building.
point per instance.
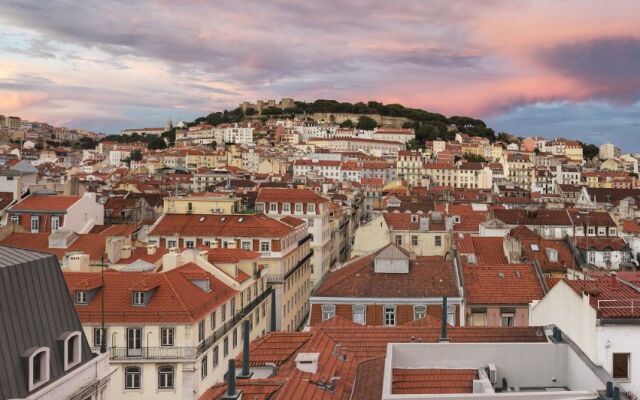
(203, 203)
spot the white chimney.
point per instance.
(307, 362)
(170, 260)
(126, 252)
(78, 262)
(152, 248)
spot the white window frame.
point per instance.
(75, 339)
(451, 315)
(55, 223)
(204, 367)
(311, 208)
(138, 299)
(328, 311)
(136, 374)
(189, 244)
(268, 243)
(245, 245)
(99, 333)
(82, 297)
(437, 241)
(35, 224)
(389, 317)
(298, 208)
(359, 310)
(15, 219)
(511, 316)
(419, 309)
(273, 207)
(164, 377)
(45, 368)
(167, 336)
(286, 207)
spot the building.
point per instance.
(387, 288)
(49, 213)
(170, 333)
(284, 246)
(309, 206)
(466, 175)
(202, 203)
(608, 151)
(409, 166)
(45, 354)
(370, 146)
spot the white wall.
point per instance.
(84, 214)
(620, 339)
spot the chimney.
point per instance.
(307, 362)
(78, 262)
(170, 261)
(152, 248)
(232, 393)
(443, 332)
(245, 373)
(126, 252)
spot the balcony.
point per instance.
(305, 239)
(153, 353)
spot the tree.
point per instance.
(169, 137)
(157, 143)
(347, 123)
(413, 144)
(135, 155)
(250, 111)
(589, 151)
(474, 157)
(366, 123)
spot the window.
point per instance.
(72, 350)
(235, 338)
(35, 224)
(203, 367)
(311, 208)
(172, 244)
(213, 320)
(507, 319)
(414, 240)
(189, 244)
(223, 312)
(201, 331)
(419, 312)
(225, 347)
(286, 207)
(99, 335)
(55, 223)
(132, 378)
(232, 307)
(15, 219)
(360, 314)
(613, 232)
(389, 315)
(451, 315)
(328, 311)
(138, 298)
(215, 357)
(81, 297)
(38, 368)
(591, 231)
(399, 240)
(621, 363)
(438, 241)
(245, 245)
(310, 222)
(265, 246)
(166, 336)
(298, 207)
(134, 342)
(165, 377)
(478, 318)
(273, 207)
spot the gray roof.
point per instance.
(35, 310)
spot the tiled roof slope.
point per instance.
(509, 284)
(258, 225)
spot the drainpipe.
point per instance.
(232, 393)
(443, 331)
(273, 310)
(245, 373)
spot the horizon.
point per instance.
(115, 69)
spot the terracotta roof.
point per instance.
(293, 221)
(427, 277)
(175, 298)
(433, 381)
(488, 250)
(511, 284)
(267, 195)
(245, 225)
(611, 297)
(538, 217)
(45, 203)
(631, 226)
(537, 249)
(231, 256)
(601, 243)
(92, 244)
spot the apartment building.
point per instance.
(202, 203)
(309, 206)
(519, 169)
(394, 134)
(371, 146)
(390, 287)
(409, 167)
(284, 246)
(466, 175)
(171, 333)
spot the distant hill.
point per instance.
(428, 125)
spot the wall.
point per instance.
(371, 236)
(84, 214)
(374, 312)
(620, 339)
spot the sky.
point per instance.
(550, 68)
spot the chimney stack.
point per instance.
(245, 373)
(232, 393)
(443, 333)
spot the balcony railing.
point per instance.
(305, 239)
(156, 353)
(235, 320)
(622, 306)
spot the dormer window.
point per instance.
(15, 219)
(311, 208)
(138, 298)
(414, 218)
(273, 207)
(38, 367)
(298, 207)
(456, 219)
(82, 297)
(286, 207)
(72, 349)
(552, 255)
(35, 224)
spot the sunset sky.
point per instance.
(550, 68)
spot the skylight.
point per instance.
(534, 247)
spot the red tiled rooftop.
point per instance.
(511, 284)
(258, 225)
(45, 203)
(433, 381)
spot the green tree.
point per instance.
(157, 143)
(366, 123)
(347, 123)
(250, 111)
(169, 137)
(413, 144)
(135, 155)
(474, 157)
(589, 151)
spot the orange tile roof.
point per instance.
(433, 381)
(268, 195)
(608, 295)
(92, 244)
(245, 225)
(45, 203)
(511, 284)
(231, 256)
(175, 298)
(488, 250)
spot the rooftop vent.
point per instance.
(501, 275)
(201, 219)
(307, 362)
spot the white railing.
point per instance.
(623, 304)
